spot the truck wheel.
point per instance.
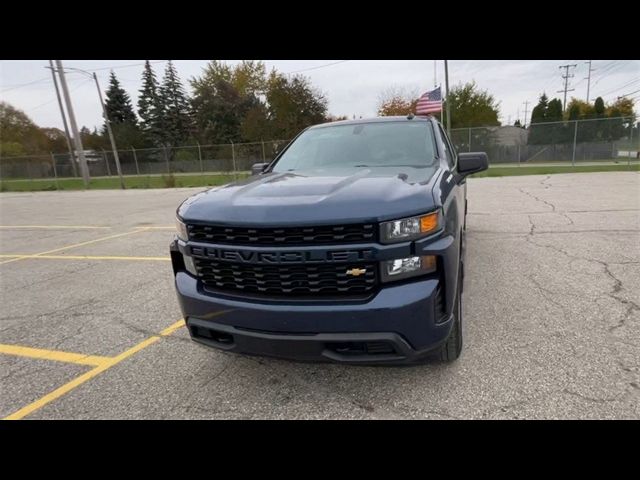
(453, 347)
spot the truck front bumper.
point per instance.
(400, 324)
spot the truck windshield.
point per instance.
(376, 144)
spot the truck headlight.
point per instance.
(407, 267)
(410, 228)
(181, 230)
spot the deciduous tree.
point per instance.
(472, 107)
(396, 101)
(293, 105)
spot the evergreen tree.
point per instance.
(517, 124)
(600, 125)
(174, 104)
(118, 103)
(124, 122)
(547, 111)
(556, 132)
(149, 108)
(539, 112)
(538, 115)
(554, 111)
(599, 107)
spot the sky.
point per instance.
(352, 87)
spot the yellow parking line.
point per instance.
(54, 227)
(89, 242)
(107, 364)
(87, 257)
(57, 355)
(172, 328)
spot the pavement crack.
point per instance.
(547, 203)
(185, 403)
(630, 305)
(532, 225)
(547, 294)
(49, 280)
(529, 194)
(591, 399)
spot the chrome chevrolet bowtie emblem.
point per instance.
(356, 272)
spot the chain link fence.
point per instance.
(224, 159)
(606, 140)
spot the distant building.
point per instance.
(509, 135)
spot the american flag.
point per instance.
(430, 102)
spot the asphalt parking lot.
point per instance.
(90, 326)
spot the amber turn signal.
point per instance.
(429, 223)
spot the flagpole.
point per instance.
(446, 81)
(435, 75)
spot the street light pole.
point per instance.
(111, 138)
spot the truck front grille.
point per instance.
(282, 236)
(288, 280)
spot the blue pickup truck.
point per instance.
(347, 247)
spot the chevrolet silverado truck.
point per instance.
(347, 247)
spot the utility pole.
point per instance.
(74, 126)
(588, 78)
(111, 138)
(64, 121)
(566, 77)
(526, 109)
(446, 83)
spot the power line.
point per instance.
(605, 68)
(20, 85)
(124, 66)
(48, 79)
(610, 70)
(621, 87)
(315, 68)
(550, 80)
(51, 101)
(627, 94)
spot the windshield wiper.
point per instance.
(393, 166)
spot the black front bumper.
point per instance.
(356, 348)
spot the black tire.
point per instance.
(453, 346)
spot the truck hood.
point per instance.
(316, 197)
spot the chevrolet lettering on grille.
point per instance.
(309, 256)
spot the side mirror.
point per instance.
(472, 162)
(258, 168)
